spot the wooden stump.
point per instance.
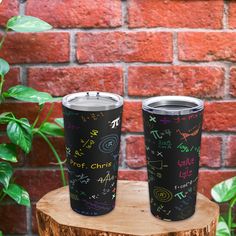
(131, 216)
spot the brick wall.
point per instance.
(137, 49)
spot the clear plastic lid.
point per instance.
(92, 101)
(173, 105)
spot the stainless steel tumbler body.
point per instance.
(172, 129)
(92, 122)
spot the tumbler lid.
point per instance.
(173, 105)
(92, 101)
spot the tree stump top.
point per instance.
(131, 215)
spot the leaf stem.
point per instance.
(48, 115)
(37, 117)
(231, 205)
(2, 195)
(1, 83)
(56, 155)
(3, 38)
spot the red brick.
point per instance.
(38, 182)
(178, 14)
(233, 81)
(230, 158)
(135, 152)
(138, 175)
(232, 14)
(29, 110)
(64, 80)
(207, 179)
(132, 117)
(8, 8)
(220, 116)
(12, 78)
(211, 151)
(13, 219)
(36, 48)
(77, 13)
(41, 155)
(176, 80)
(124, 46)
(211, 46)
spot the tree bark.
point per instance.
(131, 216)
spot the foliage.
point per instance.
(19, 130)
(225, 192)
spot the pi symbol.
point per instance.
(115, 123)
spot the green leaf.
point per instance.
(8, 152)
(222, 228)
(4, 67)
(1, 234)
(20, 134)
(27, 94)
(225, 190)
(17, 193)
(27, 24)
(233, 225)
(51, 129)
(4, 117)
(59, 121)
(6, 172)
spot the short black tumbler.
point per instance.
(92, 122)
(172, 129)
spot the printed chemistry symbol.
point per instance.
(95, 196)
(157, 165)
(161, 208)
(94, 132)
(88, 143)
(82, 193)
(68, 151)
(78, 153)
(156, 134)
(152, 174)
(185, 135)
(109, 143)
(115, 123)
(160, 134)
(115, 156)
(162, 194)
(180, 195)
(107, 178)
(105, 191)
(83, 179)
(165, 121)
(152, 119)
(159, 154)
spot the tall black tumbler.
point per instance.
(92, 122)
(172, 129)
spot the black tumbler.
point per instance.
(92, 122)
(172, 129)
